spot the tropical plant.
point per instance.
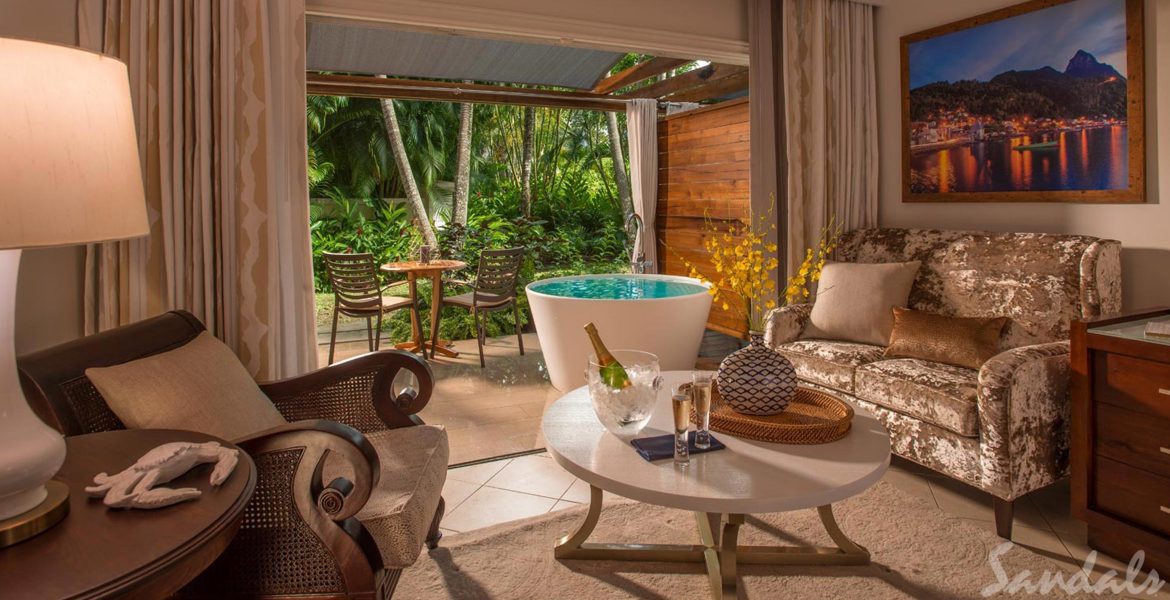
(744, 262)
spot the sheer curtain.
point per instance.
(219, 93)
(642, 130)
(830, 115)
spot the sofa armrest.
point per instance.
(358, 392)
(1023, 408)
(784, 324)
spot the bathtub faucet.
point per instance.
(637, 256)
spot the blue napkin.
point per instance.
(661, 447)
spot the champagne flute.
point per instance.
(701, 393)
(681, 403)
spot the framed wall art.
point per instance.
(1038, 102)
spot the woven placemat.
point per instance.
(812, 417)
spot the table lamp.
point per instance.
(69, 174)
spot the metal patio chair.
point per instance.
(494, 289)
(358, 292)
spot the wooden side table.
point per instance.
(1120, 436)
(98, 552)
(432, 270)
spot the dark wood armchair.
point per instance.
(301, 534)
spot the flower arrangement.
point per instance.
(745, 261)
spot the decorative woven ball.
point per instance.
(756, 380)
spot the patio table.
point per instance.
(432, 270)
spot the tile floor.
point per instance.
(508, 489)
(488, 412)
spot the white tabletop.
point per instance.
(746, 477)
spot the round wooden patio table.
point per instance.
(432, 270)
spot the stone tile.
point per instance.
(477, 474)
(490, 506)
(959, 500)
(579, 493)
(533, 475)
(914, 484)
(456, 491)
(1053, 503)
(563, 505)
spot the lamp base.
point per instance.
(39, 518)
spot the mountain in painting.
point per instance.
(1087, 88)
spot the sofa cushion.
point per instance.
(939, 394)
(413, 470)
(829, 363)
(960, 341)
(199, 386)
(853, 301)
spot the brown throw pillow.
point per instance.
(960, 341)
(199, 386)
(854, 301)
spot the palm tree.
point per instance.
(463, 164)
(526, 161)
(619, 165)
(406, 174)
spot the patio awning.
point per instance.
(355, 47)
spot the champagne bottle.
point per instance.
(612, 371)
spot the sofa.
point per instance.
(1004, 427)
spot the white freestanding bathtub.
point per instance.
(661, 314)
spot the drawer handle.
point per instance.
(1164, 450)
(1164, 509)
(1164, 391)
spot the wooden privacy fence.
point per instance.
(702, 173)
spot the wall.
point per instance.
(1144, 230)
(49, 291)
(702, 173)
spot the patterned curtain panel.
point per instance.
(219, 93)
(830, 113)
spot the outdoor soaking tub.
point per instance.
(661, 314)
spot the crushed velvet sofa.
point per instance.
(1003, 428)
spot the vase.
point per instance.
(756, 380)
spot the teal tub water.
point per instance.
(616, 287)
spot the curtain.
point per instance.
(830, 117)
(642, 130)
(219, 95)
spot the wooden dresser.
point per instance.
(1120, 452)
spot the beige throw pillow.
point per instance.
(855, 301)
(199, 386)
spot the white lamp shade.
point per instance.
(69, 166)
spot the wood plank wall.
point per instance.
(702, 173)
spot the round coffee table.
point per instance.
(720, 487)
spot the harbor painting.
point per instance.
(1039, 102)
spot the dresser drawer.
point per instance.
(1133, 438)
(1133, 383)
(1133, 494)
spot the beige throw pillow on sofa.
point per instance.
(855, 301)
(199, 386)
